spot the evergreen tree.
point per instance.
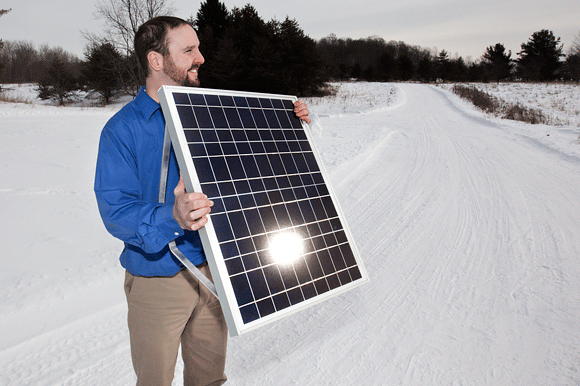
(102, 70)
(59, 82)
(212, 16)
(539, 59)
(458, 70)
(301, 67)
(443, 66)
(211, 23)
(499, 63)
(243, 52)
(248, 36)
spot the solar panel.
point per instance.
(276, 241)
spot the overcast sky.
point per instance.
(462, 27)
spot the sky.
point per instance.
(461, 27)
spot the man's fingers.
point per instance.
(301, 111)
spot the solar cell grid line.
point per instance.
(276, 241)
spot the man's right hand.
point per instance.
(190, 210)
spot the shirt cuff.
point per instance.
(168, 226)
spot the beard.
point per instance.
(179, 75)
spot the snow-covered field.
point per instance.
(468, 226)
(557, 101)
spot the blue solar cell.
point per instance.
(246, 118)
(218, 117)
(193, 136)
(234, 266)
(259, 118)
(251, 261)
(242, 289)
(187, 118)
(240, 101)
(212, 100)
(197, 100)
(227, 100)
(181, 99)
(254, 102)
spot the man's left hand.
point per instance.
(301, 110)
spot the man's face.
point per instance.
(184, 59)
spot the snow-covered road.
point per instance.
(468, 229)
(469, 236)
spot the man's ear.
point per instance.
(155, 60)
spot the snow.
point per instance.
(467, 224)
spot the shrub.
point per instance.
(499, 107)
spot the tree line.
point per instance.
(244, 52)
(374, 59)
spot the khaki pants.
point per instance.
(165, 312)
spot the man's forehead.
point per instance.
(183, 36)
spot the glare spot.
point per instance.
(286, 247)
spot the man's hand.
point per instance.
(301, 110)
(190, 209)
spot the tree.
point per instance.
(405, 67)
(572, 64)
(539, 59)
(102, 70)
(59, 81)
(2, 63)
(301, 70)
(122, 19)
(498, 63)
(211, 22)
(426, 68)
(24, 59)
(212, 16)
(443, 65)
(243, 52)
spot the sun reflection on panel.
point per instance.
(286, 247)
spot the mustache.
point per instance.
(194, 67)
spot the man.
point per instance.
(167, 305)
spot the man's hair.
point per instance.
(152, 36)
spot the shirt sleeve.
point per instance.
(126, 215)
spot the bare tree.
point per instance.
(572, 64)
(122, 19)
(2, 63)
(575, 48)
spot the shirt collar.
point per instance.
(146, 104)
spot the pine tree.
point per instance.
(301, 69)
(212, 16)
(102, 70)
(59, 82)
(443, 65)
(498, 63)
(539, 59)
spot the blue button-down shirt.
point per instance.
(127, 191)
